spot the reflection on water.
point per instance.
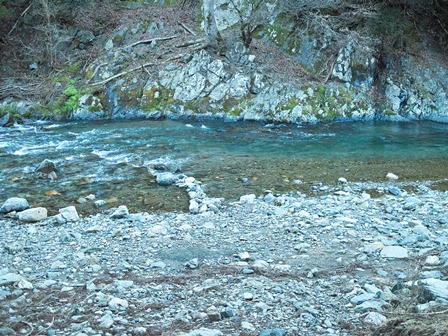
(114, 160)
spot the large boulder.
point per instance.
(14, 204)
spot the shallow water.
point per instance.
(114, 160)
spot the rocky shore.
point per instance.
(343, 263)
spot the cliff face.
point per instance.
(257, 60)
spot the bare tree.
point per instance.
(251, 17)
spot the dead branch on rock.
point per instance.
(190, 43)
(155, 39)
(140, 67)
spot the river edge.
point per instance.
(282, 265)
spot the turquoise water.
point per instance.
(114, 160)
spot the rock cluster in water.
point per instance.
(339, 264)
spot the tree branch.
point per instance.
(148, 41)
(21, 15)
(187, 29)
(107, 80)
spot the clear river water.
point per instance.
(115, 160)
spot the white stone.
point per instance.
(121, 212)
(193, 207)
(25, 284)
(248, 296)
(432, 260)
(375, 318)
(106, 321)
(69, 214)
(203, 332)
(157, 230)
(245, 256)
(58, 265)
(397, 252)
(33, 215)
(260, 264)
(118, 304)
(437, 287)
(248, 198)
(372, 247)
(9, 279)
(391, 176)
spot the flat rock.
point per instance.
(203, 332)
(435, 287)
(9, 279)
(14, 204)
(396, 252)
(273, 332)
(248, 198)
(375, 318)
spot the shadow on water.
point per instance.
(115, 160)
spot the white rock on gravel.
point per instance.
(391, 176)
(203, 332)
(9, 279)
(32, 215)
(121, 212)
(118, 304)
(375, 318)
(396, 252)
(437, 287)
(68, 214)
(248, 198)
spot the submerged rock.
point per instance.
(47, 167)
(166, 179)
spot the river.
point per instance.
(115, 160)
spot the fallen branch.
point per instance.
(187, 29)
(107, 80)
(155, 39)
(190, 43)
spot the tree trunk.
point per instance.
(210, 28)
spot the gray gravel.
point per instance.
(337, 264)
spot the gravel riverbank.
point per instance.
(343, 263)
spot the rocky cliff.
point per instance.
(262, 62)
